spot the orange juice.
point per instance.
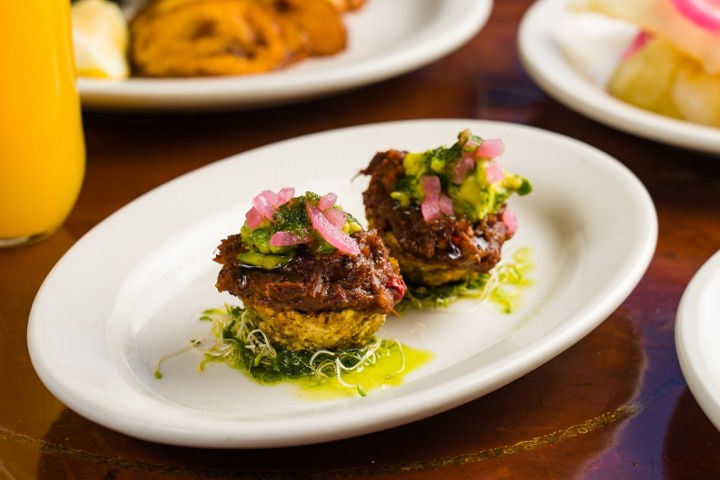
(42, 152)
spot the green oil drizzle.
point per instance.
(389, 371)
(503, 286)
(236, 341)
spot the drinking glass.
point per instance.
(42, 150)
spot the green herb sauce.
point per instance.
(380, 364)
(320, 374)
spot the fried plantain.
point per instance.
(318, 20)
(181, 38)
(347, 5)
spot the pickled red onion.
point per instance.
(493, 172)
(327, 201)
(430, 210)
(435, 202)
(446, 205)
(490, 148)
(253, 218)
(430, 207)
(265, 204)
(333, 235)
(284, 195)
(431, 186)
(335, 216)
(270, 196)
(462, 168)
(284, 239)
(703, 13)
(510, 221)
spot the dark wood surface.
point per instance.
(615, 405)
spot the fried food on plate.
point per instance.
(666, 19)
(673, 66)
(317, 22)
(442, 213)
(181, 38)
(309, 272)
(347, 5)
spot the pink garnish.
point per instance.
(335, 216)
(430, 210)
(327, 201)
(493, 172)
(283, 239)
(638, 42)
(253, 218)
(510, 221)
(430, 206)
(446, 205)
(333, 235)
(265, 204)
(462, 168)
(703, 13)
(284, 195)
(435, 202)
(270, 196)
(490, 148)
(431, 186)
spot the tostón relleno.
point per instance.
(312, 275)
(443, 213)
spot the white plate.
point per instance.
(696, 335)
(131, 289)
(547, 65)
(386, 38)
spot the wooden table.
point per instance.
(615, 405)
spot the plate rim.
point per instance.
(430, 406)
(689, 351)
(589, 100)
(278, 88)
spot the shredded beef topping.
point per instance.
(368, 282)
(450, 241)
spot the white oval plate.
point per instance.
(385, 39)
(697, 331)
(132, 288)
(547, 65)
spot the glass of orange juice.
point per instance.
(42, 151)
